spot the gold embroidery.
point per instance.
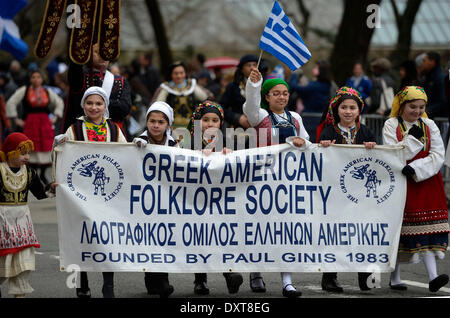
(110, 21)
(22, 196)
(109, 29)
(81, 38)
(52, 17)
(14, 183)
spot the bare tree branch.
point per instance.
(130, 8)
(306, 15)
(165, 54)
(405, 25)
(397, 15)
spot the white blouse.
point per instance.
(56, 103)
(255, 114)
(424, 167)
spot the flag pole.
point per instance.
(259, 60)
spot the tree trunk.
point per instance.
(405, 24)
(353, 39)
(165, 53)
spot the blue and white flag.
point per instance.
(10, 40)
(281, 39)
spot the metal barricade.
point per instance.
(375, 123)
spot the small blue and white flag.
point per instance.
(281, 39)
(10, 40)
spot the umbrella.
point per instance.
(221, 62)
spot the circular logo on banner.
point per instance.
(95, 177)
(367, 178)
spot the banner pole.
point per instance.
(259, 60)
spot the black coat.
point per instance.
(364, 134)
(232, 102)
(433, 85)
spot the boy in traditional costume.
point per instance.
(17, 235)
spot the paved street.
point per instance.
(49, 282)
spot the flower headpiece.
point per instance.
(332, 114)
(204, 108)
(407, 93)
(343, 93)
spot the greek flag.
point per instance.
(281, 39)
(10, 40)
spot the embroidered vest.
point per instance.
(182, 100)
(266, 126)
(28, 108)
(15, 185)
(77, 129)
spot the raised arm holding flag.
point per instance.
(266, 104)
(281, 39)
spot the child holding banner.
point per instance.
(425, 228)
(94, 126)
(211, 117)
(159, 119)
(17, 236)
(342, 126)
(265, 108)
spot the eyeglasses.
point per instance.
(278, 94)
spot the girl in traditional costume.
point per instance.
(94, 126)
(425, 228)
(159, 120)
(116, 87)
(211, 117)
(17, 235)
(342, 126)
(265, 108)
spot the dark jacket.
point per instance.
(377, 90)
(315, 96)
(232, 102)
(364, 134)
(434, 88)
(119, 101)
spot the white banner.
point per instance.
(270, 209)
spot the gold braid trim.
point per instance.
(109, 30)
(80, 46)
(54, 11)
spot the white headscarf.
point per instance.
(96, 90)
(166, 110)
(163, 108)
